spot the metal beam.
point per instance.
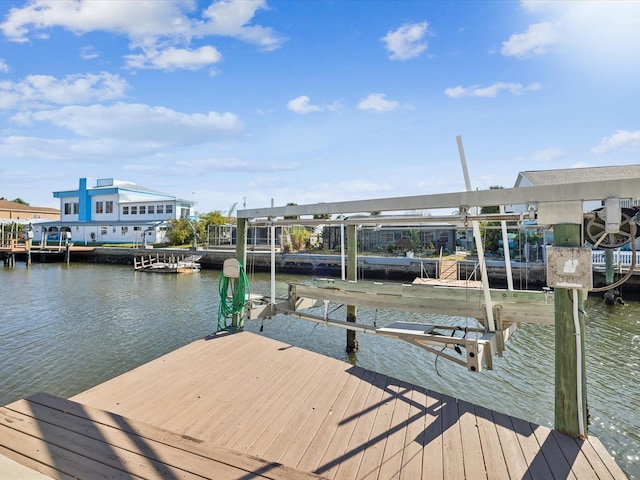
(585, 191)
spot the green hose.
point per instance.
(235, 303)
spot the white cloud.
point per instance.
(492, 90)
(407, 41)
(590, 33)
(378, 103)
(160, 18)
(4, 68)
(200, 166)
(164, 28)
(174, 58)
(231, 18)
(621, 140)
(151, 126)
(46, 89)
(535, 41)
(88, 53)
(302, 105)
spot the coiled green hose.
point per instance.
(233, 302)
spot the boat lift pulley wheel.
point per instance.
(594, 229)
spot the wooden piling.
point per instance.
(241, 256)
(29, 252)
(608, 262)
(570, 372)
(352, 275)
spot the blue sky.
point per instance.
(308, 101)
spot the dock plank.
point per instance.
(601, 460)
(262, 377)
(413, 448)
(324, 406)
(362, 425)
(341, 422)
(452, 453)
(517, 465)
(328, 442)
(433, 454)
(264, 428)
(495, 461)
(537, 466)
(63, 436)
(382, 427)
(549, 448)
(344, 426)
(279, 438)
(471, 445)
(397, 441)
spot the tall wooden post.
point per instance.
(241, 256)
(352, 274)
(67, 251)
(28, 252)
(608, 265)
(570, 372)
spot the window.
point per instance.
(134, 210)
(67, 209)
(103, 231)
(159, 209)
(99, 207)
(75, 209)
(137, 229)
(387, 237)
(125, 210)
(124, 230)
(150, 209)
(142, 210)
(109, 206)
(168, 209)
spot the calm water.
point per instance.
(64, 329)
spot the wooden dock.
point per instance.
(167, 263)
(239, 398)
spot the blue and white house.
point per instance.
(113, 211)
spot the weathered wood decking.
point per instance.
(250, 395)
(64, 439)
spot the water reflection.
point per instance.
(64, 329)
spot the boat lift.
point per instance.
(569, 273)
(499, 311)
(474, 346)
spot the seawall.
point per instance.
(531, 275)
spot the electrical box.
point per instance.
(569, 267)
(613, 215)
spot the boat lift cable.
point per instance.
(234, 290)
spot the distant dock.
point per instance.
(245, 406)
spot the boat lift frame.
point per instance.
(548, 205)
(560, 206)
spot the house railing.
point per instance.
(620, 258)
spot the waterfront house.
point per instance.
(113, 211)
(429, 237)
(21, 213)
(581, 175)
